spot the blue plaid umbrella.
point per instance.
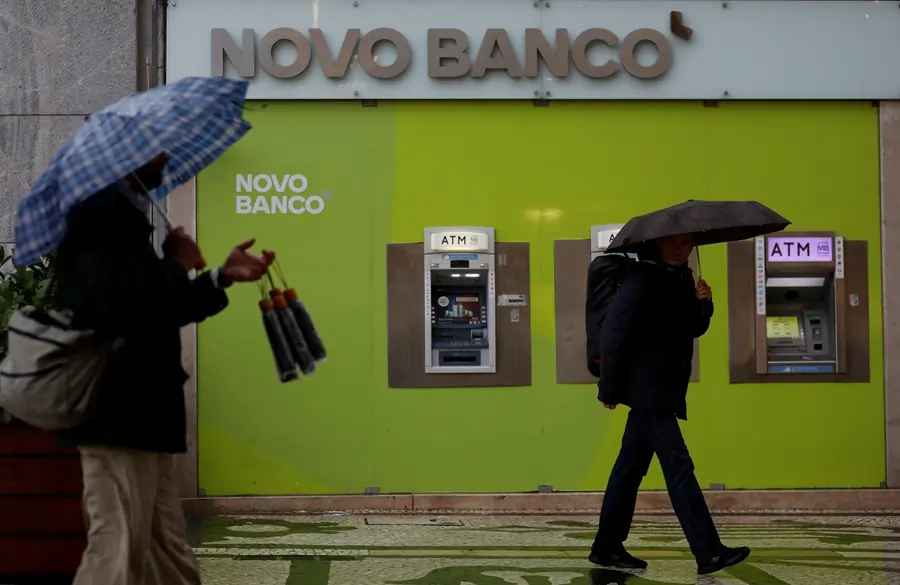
(194, 120)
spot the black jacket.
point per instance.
(647, 340)
(111, 278)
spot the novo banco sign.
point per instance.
(450, 53)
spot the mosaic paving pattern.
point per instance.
(536, 550)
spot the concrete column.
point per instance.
(890, 254)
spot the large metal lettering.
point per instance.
(243, 57)
(368, 60)
(448, 53)
(334, 68)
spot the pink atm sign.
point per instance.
(786, 249)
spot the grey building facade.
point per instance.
(60, 60)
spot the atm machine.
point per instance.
(799, 303)
(460, 319)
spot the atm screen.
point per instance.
(458, 308)
(783, 328)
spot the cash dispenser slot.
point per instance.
(457, 358)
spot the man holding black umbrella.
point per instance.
(646, 348)
(646, 351)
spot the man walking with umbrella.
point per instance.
(90, 206)
(646, 351)
(110, 277)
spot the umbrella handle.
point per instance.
(161, 212)
(699, 269)
(153, 202)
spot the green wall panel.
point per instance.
(536, 175)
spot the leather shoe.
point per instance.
(727, 557)
(620, 559)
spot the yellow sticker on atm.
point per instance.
(782, 327)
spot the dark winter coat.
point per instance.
(110, 276)
(647, 340)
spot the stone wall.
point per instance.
(59, 61)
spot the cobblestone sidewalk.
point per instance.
(535, 550)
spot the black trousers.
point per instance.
(648, 432)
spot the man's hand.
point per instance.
(704, 293)
(242, 266)
(183, 249)
(610, 406)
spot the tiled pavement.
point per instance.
(536, 550)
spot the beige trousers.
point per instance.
(136, 527)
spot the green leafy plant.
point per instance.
(22, 287)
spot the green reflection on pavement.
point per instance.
(304, 572)
(219, 528)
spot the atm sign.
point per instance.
(785, 249)
(460, 242)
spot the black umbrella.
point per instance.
(281, 351)
(303, 319)
(292, 332)
(709, 222)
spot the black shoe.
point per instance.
(617, 560)
(727, 557)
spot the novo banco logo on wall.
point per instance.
(277, 194)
